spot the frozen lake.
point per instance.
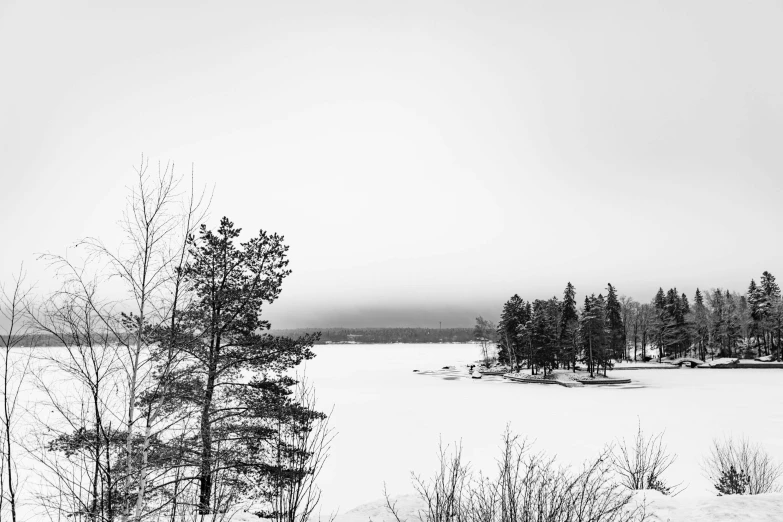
(389, 419)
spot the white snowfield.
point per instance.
(389, 420)
(734, 508)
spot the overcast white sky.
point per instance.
(425, 160)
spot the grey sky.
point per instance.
(424, 159)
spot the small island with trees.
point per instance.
(554, 341)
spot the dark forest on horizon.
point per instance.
(333, 335)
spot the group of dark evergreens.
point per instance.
(555, 333)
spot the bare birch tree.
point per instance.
(156, 223)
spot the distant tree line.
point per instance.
(556, 333)
(383, 335)
(328, 335)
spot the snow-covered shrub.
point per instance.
(758, 472)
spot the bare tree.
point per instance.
(78, 447)
(13, 302)
(646, 316)
(627, 310)
(761, 473)
(156, 224)
(484, 332)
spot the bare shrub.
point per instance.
(532, 486)
(445, 494)
(641, 464)
(300, 448)
(525, 486)
(738, 466)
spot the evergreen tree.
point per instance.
(701, 324)
(754, 298)
(718, 320)
(234, 372)
(592, 331)
(524, 340)
(678, 334)
(672, 318)
(569, 323)
(543, 337)
(511, 318)
(734, 322)
(772, 309)
(602, 355)
(614, 324)
(659, 322)
(554, 313)
(733, 482)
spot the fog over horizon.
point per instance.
(424, 160)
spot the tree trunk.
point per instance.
(109, 484)
(98, 453)
(132, 412)
(205, 467)
(8, 454)
(644, 345)
(142, 485)
(590, 343)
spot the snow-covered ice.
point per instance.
(390, 418)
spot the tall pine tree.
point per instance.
(234, 372)
(772, 311)
(592, 332)
(569, 324)
(614, 324)
(511, 318)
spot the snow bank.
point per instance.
(733, 508)
(723, 361)
(630, 365)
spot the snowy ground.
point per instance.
(759, 508)
(389, 418)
